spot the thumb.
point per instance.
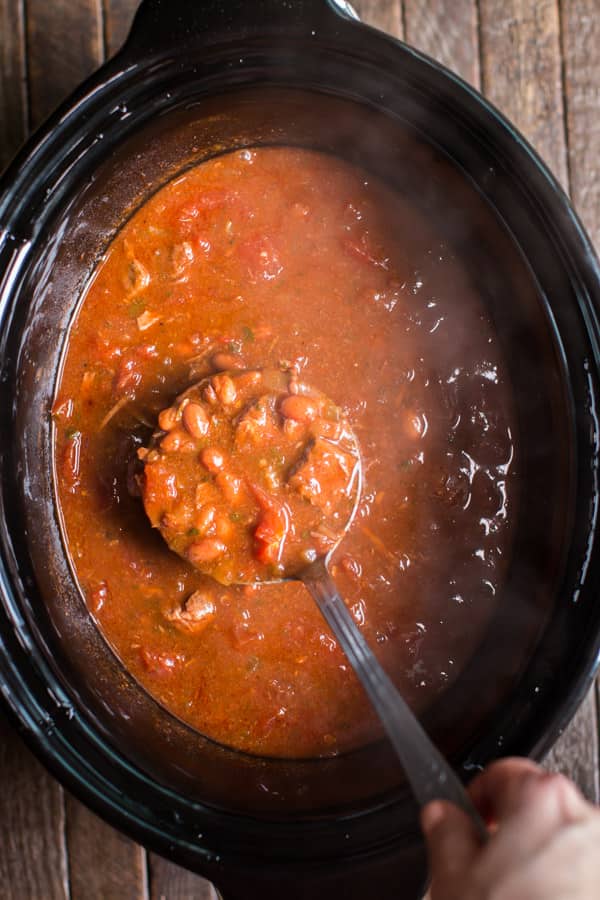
(453, 845)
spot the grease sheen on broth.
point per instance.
(282, 257)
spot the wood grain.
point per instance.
(383, 14)
(103, 864)
(576, 753)
(33, 857)
(580, 20)
(13, 92)
(448, 31)
(521, 72)
(118, 15)
(64, 45)
(170, 882)
(52, 847)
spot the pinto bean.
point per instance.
(173, 441)
(210, 395)
(224, 361)
(225, 389)
(168, 418)
(205, 518)
(248, 379)
(195, 419)
(203, 494)
(177, 520)
(223, 527)
(212, 459)
(230, 486)
(205, 551)
(299, 408)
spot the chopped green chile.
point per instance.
(251, 475)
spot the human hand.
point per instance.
(544, 843)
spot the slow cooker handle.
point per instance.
(163, 24)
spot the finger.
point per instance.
(453, 845)
(508, 785)
(567, 866)
(498, 789)
(542, 807)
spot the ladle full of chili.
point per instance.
(266, 474)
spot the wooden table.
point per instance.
(539, 61)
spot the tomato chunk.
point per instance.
(272, 528)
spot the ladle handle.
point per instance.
(429, 775)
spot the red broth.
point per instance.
(286, 258)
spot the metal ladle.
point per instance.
(429, 774)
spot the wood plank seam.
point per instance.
(479, 83)
(67, 859)
(403, 21)
(145, 870)
(103, 31)
(23, 85)
(447, 31)
(26, 71)
(565, 99)
(13, 80)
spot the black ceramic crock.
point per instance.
(197, 79)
